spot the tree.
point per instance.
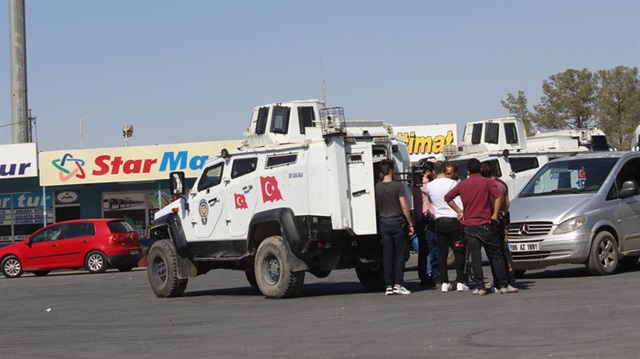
(568, 101)
(618, 104)
(517, 107)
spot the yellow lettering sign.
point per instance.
(422, 145)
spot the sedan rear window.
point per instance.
(119, 227)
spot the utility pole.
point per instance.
(20, 118)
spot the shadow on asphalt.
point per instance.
(573, 272)
(308, 290)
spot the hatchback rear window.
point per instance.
(119, 227)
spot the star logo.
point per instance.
(270, 190)
(75, 164)
(241, 201)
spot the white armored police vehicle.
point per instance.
(297, 196)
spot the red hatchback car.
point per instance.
(94, 244)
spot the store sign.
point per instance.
(18, 160)
(127, 164)
(428, 140)
(23, 208)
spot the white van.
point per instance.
(580, 209)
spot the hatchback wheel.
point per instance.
(96, 262)
(11, 267)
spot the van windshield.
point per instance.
(569, 176)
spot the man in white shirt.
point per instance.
(448, 228)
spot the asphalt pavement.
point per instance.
(560, 312)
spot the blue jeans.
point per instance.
(394, 244)
(433, 269)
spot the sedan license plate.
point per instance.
(524, 247)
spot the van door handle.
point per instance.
(213, 201)
(247, 188)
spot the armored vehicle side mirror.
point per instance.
(176, 183)
(629, 188)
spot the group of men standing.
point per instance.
(448, 213)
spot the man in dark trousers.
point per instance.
(480, 219)
(393, 219)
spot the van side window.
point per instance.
(519, 164)
(210, 177)
(242, 166)
(630, 171)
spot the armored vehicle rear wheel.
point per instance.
(273, 272)
(162, 270)
(372, 279)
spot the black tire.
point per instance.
(162, 270)
(41, 273)
(603, 258)
(11, 267)
(519, 273)
(273, 274)
(628, 261)
(251, 278)
(95, 262)
(371, 279)
(125, 268)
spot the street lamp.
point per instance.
(127, 131)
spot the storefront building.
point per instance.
(121, 182)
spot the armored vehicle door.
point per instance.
(361, 188)
(241, 195)
(206, 200)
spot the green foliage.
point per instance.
(618, 104)
(573, 99)
(517, 106)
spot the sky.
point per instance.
(192, 71)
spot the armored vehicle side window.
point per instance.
(510, 132)
(280, 119)
(491, 133)
(261, 121)
(275, 161)
(476, 135)
(519, 164)
(242, 166)
(210, 177)
(306, 117)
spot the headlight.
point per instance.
(570, 225)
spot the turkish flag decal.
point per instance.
(241, 201)
(270, 190)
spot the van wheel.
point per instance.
(273, 274)
(11, 267)
(95, 262)
(162, 270)
(372, 279)
(603, 258)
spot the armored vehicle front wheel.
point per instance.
(273, 271)
(162, 270)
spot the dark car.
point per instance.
(93, 244)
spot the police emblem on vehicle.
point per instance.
(203, 208)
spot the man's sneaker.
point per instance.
(447, 287)
(461, 287)
(389, 291)
(398, 289)
(479, 292)
(508, 289)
